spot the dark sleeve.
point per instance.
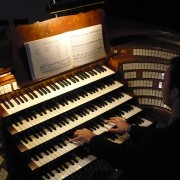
(126, 154)
(106, 146)
(116, 154)
(139, 133)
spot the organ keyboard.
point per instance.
(39, 118)
(42, 127)
(45, 91)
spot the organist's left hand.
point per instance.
(83, 135)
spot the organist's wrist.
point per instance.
(129, 128)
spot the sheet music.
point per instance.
(87, 45)
(49, 56)
(56, 54)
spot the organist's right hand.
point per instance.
(83, 135)
(120, 125)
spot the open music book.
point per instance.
(55, 54)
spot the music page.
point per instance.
(53, 55)
(48, 56)
(86, 44)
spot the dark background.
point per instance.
(159, 12)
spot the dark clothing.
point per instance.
(149, 153)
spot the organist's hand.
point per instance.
(120, 125)
(82, 135)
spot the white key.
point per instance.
(38, 163)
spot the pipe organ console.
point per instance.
(142, 64)
(39, 118)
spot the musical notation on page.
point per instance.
(53, 55)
